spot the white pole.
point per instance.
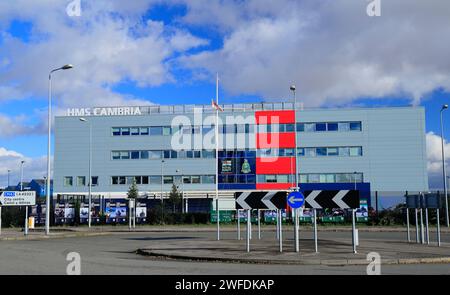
(417, 226)
(444, 171)
(129, 214)
(47, 200)
(0, 220)
(278, 226)
(421, 227)
(315, 230)
(217, 156)
(259, 224)
(427, 232)
(297, 246)
(354, 230)
(90, 174)
(238, 225)
(26, 221)
(408, 237)
(281, 231)
(438, 229)
(248, 230)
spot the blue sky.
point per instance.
(160, 52)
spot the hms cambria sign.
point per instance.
(116, 111)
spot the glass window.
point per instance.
(116, 131)
(290, 127)
(301, 152)
(168, 179)
(197, 154)
(321, 127)
(355, 151)
(144, 131)
(94, 180)
(332, 151)
(155, 179)
(240, 128)
(135, 155)
(115, 155)
(189, 154)
(156, 130)
(154, 154)
(208, 154)
(310, 127)
(310, 152)
(322, 178)
(303, 178)
(344, 126)
(173, 154)
(122, 180)
(115, 180)
(138, 179)
(300, 127)
(355, 126)
(271, 178)
(358, 177)
(124, 155)
(182, 154)
(186, 129)
(81, 180)
(331, 178)
(195, 129)
(282, 178)
(166, 154)
(332, 126)
(261, 178)
(321, 151)
(313, 178)
(206, 129)
(144, 154)
(343, 177)
(289, 152)
(231, 128)
(134, 130)
(281, 152)
(251, 178)
(344, 151)
(186, 179)
(208, 179)
(195, 179)
(125, 131)
(144, 179)
(166, 130)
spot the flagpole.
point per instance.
(217, 156)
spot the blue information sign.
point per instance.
(295, 200)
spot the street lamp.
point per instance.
(444, 173)
(47, 213)
(90, 169)
(21, 174)
(296, 188)
(162, 200)
(182, 190)
(9, 171)
(26, 207)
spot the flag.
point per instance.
(215, 105)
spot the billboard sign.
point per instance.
(18, 198)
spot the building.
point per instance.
(374, 149)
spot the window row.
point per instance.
(80, 181)
(162, 154)
(238, 128)
(167, 179)
(331, 178)
(349, 151)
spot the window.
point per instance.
(310, 152)
(207, 129)
(94, 180)
(173, 154)
(134, 155)
(208, 154)
(290, 127)
(166, 131)
(186, 129)
(333, 151)
(144, 131)
(138, 179)
(313, 178)
(197, 154)
(195, 179)
(303, 178)
(355, 151)
(166, 154)
(321, 151)
(144, 179)
(81, 181)
(115, 155)
(125, 155)
(301, 152)
(189, 154)
(282, 178)
(115, 180)
(125, 131)
(122, 180)
(289, 152)
(144, 154)
(344, 151)
(195, 129)
(322, 178)
(116, 131)
(68, 181)
(310, 127)
(134, 130)
(130, 180)
(300, 127)
(186, 179)
(154, 154)
(155, 130)
(271, 178)
(344, 126)
(332, 126)
(208, 179)
(343, 177)
(355, 126)
(155, 179)
(168, 179)
(321, 127)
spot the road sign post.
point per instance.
(354, 230)
(315, 230)
(408, 236)
(248, 230)
(238, 225)
(296, 200)
(427, 232)
(26, 221)
(259, 224)
(417, 227)
(18, 198)
(0, 220)
(280, 234)
(422, 240)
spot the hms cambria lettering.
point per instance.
(118, 111)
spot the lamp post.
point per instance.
(182, 190)
(9, 171)
(162, 199)
(26, 207)
(21, 174)
(444, 172)
(47, 213)
(90, 170)
(296, 188)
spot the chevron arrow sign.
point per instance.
(272, 200)
(330, 199)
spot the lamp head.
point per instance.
(292, 87)
(83, 119)
(445, 106)
(67, 67)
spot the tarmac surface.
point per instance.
(194, 250)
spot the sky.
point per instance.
(168, 52)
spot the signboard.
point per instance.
(295, 200)
(321, 199)
(18, 198)
(432, 201)
(260, 200)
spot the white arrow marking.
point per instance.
(267, 201)
(241, 201)
(310, 199)
(338, 199)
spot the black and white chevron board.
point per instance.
(272, 200)
(332, 199)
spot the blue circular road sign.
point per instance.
(295, 200)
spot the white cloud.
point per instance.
(33, 168)
(332, 50)
(434, 157)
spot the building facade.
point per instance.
(374, 149)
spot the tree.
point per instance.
(133, 192)
(174, 197)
